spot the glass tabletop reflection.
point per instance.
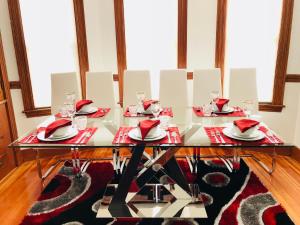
(191, 129)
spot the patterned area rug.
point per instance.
(230, 198)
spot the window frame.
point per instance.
(22, 61)
(24, 82)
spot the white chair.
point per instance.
(62, 83)
(135, 81)
(173, 88)
(100, 89)
(242, 86)
(205, 81)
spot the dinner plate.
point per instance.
(228, 132)
(150, 113)
(134, 134)
(92, 110)
(73, 132)
(229, 110)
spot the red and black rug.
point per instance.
(230, 198)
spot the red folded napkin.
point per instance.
(52, 127)
(146, 126)
(221, 102)
(82, 103)
(245, 124)
(147, 103)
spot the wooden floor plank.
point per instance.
(21, 188)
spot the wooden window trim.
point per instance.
(295, 78)
(22, 61)
(120, 44)
(182, 34)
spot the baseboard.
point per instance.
(296, 154)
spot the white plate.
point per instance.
(92, 110)
(228, 132)
(134, 134)
(229, 110)
(73, 132)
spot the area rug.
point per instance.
(229, 198)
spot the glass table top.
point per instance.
(191, 129)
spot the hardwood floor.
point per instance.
(20, 189)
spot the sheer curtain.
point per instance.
(151, 36)
(252, 39)
(50, 38)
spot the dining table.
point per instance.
(153, 185)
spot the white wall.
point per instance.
(297, 130)
(201, 43)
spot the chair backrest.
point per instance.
(100, 89)
(62, 83)
(136, 81)
(243, 86)
(173, 88)
(205, 81)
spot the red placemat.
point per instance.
(215, 139)
(80, 138)
(122, 137)
(166, 111)
(238, 112)
(100, 113)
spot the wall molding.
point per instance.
(296, 153)
(293, 78)
(15, 85)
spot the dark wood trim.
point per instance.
(81, 43)
(190, 75)
(270, 107)
(296, 153)
(116, 77)
(182, 34)
(42, 111)
(21, 53)
(120, 43)
(283, 51)
(292, 78)
(14, 85)
(221, 36)
(8, 98)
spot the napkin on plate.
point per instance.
(147, 103)
(52, 127)
(221, 102)
(245, 124)
(146, 125)
(82, 103)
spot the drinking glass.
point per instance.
(81, 122)
(207, 109)
(132, 109)
(70, 97)
(164, 122)
(140, 95)
(248, 106)
(63, 111)
(155, 109)
(214, 95)
(70, 105)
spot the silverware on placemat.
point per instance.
(213, 134)
(174, 135)
(218, 133)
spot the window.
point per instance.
(151, 36)
(50, 39)
(253, 28)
